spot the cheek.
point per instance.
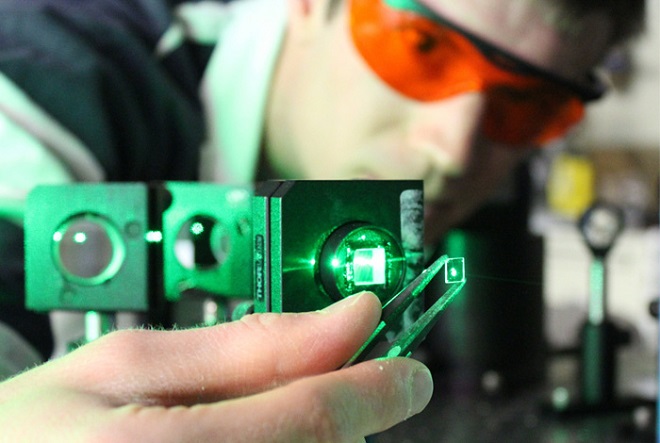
(347, 111)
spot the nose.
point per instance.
(445, 132)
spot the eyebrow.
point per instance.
(592, 89)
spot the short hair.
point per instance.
(627, 16)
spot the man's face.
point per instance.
(331, 117)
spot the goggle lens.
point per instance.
(426, 61)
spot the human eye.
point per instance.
(538, 97)
(419, 40)
(511, 94)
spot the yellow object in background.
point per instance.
(571, 185)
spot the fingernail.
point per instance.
(343, 304)
(421, 390)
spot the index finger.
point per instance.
(208, 364)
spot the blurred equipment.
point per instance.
(600, 226)
(571, 184)
(600, 337)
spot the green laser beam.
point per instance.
(504, 279)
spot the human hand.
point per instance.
(265, 378)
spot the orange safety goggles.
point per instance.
(426, 58)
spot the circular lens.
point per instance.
(360, 257)
(600, 225)
(88, 249)
(202, 243)
(601, 228)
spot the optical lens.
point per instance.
(360, 257)
(88, 249)
(202, 243)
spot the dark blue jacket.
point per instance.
(90, 64)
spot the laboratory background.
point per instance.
(554, 335)
(511, 378)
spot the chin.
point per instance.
(436, 224)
